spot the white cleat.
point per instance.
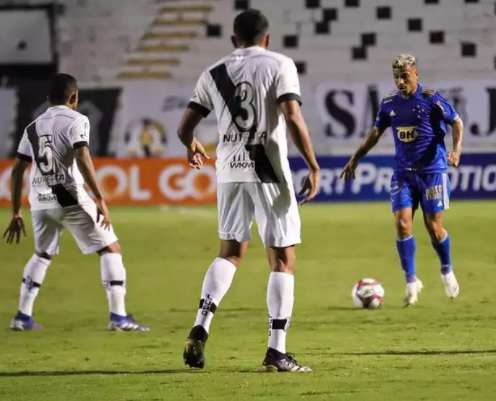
(411, 292)
(451, 287)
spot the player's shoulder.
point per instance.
(389, 98)
(278, 59)
(429, 92)
(214, 65)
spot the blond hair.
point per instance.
(404, 60)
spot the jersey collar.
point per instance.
(58, 107)
(248, 50)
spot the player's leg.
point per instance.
(404, 200)
(278, 222)
(91, 237)
(113, 274)
(235, 212)
(46, 233)
(434, 202)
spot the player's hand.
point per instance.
(197, 154)
(454, 158)
(348, 171)
(311, 186)
(14, 230)
(103, 214)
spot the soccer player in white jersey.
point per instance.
(255, 95)
(57, 141)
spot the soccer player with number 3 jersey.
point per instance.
(255, 96)
(419, 119)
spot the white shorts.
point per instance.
(273, 206)
(80, 220)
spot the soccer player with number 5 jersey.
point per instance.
(56, 145)
(419, 119)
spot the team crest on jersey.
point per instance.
(407, 134)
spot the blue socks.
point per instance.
(406, 250)
(443, 250)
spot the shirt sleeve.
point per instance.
(24, 148)
(201, 100)
(79, 133)
(287, 83)
(382, 120)
(448, 112)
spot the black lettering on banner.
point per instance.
(339, 113)
(239, 100)
(492, 111)
(371, 109)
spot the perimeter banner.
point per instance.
(140, 182)
(157, 181)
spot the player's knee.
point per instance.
(436, 231)
(283, 260)
(404, 227)
(233, 251)
(112, 248)
(43, 255)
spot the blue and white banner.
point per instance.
(475, 178)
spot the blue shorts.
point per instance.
(432, 191)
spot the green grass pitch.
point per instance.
(437, 350)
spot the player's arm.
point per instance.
(195, 150)
(369, 142)
(301, 138)
(457, 131)
(16, 225)
(87, 169)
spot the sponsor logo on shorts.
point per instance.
(407, 134)
(434, 192)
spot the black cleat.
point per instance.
(276, 361)
(193, 349)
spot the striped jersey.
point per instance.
(244, 90)
(49, 141)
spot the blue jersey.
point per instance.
(419, 126)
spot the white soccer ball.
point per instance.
(368, 293)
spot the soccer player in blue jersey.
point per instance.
(418, 118)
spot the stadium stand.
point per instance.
(175, 39)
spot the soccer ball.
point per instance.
(367, 293)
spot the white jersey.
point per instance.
(245, 89)
(49, 141)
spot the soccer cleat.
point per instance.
(22, 322)
(125, 323)
(276, 361)
(451, 287)
(412, 291)
(193, 354)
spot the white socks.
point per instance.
(280, 300)
(114, 281)
(216, 282)
(32, 278)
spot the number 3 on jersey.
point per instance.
(45, 154)
(245, 116)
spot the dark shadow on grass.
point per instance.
(413, 353)
(61, 373)
(27, 373)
